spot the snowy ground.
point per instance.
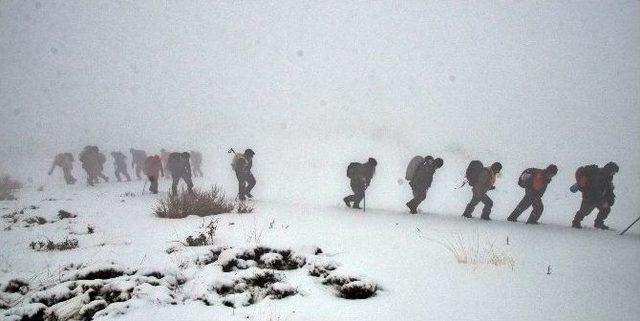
(592, 273)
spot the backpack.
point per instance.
(583, 176)
(238, 162)
(413, 165)
(474, 169)
(351, 169)
(526, 178)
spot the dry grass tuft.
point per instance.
(476, 251)
(200, 203)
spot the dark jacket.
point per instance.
(600, 188)
(363, 173)
(423, 176)
(539, 182)
(119, 159)
(178, 164)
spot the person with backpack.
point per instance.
(153, 168)
(92, 162)
(120, 164)
(138, 157)
(482, 180)
(597, 192)
(421, 179)
(178, 164)
(360, 176)
(65, 161)
(535, 182)
(241, 165)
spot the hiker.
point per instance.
(596, 185)
(164, 157)
(65, 161)
(120, 164)
(178, 164)
(153, 168)
(482, 180)
(196, 163)
(360, 176)
(420, 180)
(535, 182)
(242, 164)
(138, 158)
(92, 162)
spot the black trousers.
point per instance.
(153, 187)
(358, 187)
(588, 206)
(479, 196)
(531, 199)
(419, 195)
(246, 182)
(176, 179)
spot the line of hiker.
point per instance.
(596, 185)
(93, 161)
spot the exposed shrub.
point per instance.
(7, 186)
(200, 203)
(35, 220)
(205, 237)
(62, 214)
(49, 245)
(17, 286)
(357, 290)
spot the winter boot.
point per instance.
(600, 225)
(576, 224)
(412, 209)
(512, 218)
(346, 201)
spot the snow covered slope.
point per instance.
(591, 272)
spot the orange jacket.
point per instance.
(153, 166)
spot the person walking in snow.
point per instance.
(153, 169)
(92, 162)
(535, 182)
(178, 164)
(482, 182)
(138, 157)
(421, 181)
(597, 192)
(241, 165)
(65, 161)
(360, 175)
(120, 164)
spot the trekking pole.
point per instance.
(634, 222)
(231, 151)
(364, 206)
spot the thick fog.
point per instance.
(324, 83)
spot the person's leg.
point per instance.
(603, 213)
(521, 207)
(189, 182)
(153, 184)
(488, 205)
(117, 174)
(251, 182)
(585, 208)
(174, 184)
(475, 199)
(538, 207)
(419, 195)
(241, 186)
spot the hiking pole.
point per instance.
(634, 222)
(364, 198)
(231, 151)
